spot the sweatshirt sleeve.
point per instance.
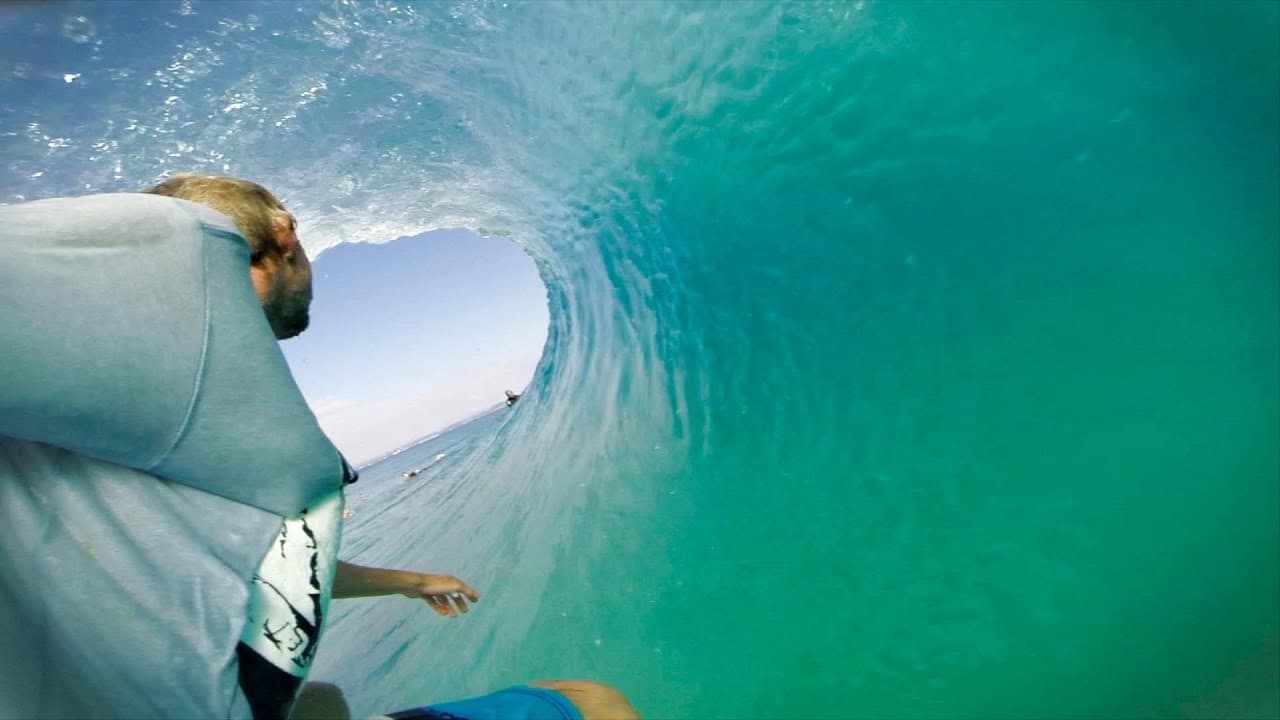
(131, 334)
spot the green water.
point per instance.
(907, 360)
(982, 305)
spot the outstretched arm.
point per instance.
(446, 594)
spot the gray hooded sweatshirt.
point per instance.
(151, 442)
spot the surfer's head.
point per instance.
(279, 270)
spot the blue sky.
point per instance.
(410, 336)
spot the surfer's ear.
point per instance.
(284, 235)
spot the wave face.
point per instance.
(906, 360)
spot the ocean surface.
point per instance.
(906, 360)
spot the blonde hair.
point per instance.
(248, 204)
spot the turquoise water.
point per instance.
(906, 359)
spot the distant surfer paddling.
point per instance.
(512, 398)
(417, 471)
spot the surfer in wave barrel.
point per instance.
(160, 455)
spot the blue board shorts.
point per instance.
(519, 702)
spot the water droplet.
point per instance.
(79, 29)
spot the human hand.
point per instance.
(445, 594)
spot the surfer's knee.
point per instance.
(320, 701)
(595, 701)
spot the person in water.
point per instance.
(155, 452)
(512, 398)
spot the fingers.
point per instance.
(445, 594)
(440, 584)
(457, 601)
(451, 584)
(439, 605)
(467, 590)
(447, 604)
